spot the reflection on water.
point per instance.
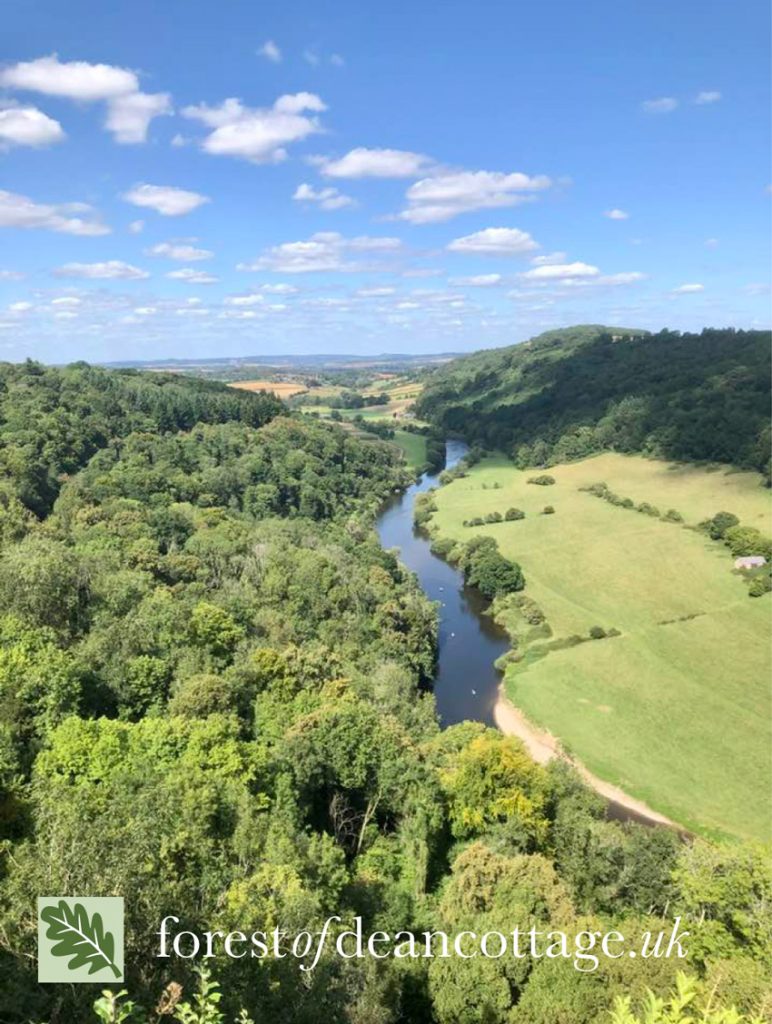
(466, 683)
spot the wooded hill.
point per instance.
(570, 393)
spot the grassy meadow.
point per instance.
(677, 709)
(414, 447)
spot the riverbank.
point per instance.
(542, 747)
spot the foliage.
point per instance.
(570, 393)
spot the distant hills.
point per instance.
(569, 393)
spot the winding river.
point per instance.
(466, 685)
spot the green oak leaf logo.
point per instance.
(77, 938)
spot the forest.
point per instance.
(570, 393)
(215, 701)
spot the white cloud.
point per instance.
(711, 243)
(65, 314)
(191, 276)
(11, 275)
(136, 227)
(165, 199)
(270, 51)
(244, 300)
(547, 258)
(324, 251)
(66, 300)
(663, 105)
(17, 211)
(327, 198)
(708, 96)
(374, 163)
(336, 60)
(311, 57)
(129, 111)
(478, 280)
(278, 289)
(183, 253)
(27, 126)
(146, 310)
(446, 195)
(688, 289)
(495, 242)
(616, 214)
(76, 80)
(111, 269)
(20, 307)
(128, 117)
(258, 134)
(560, 271)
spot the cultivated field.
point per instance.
(282, 389)
(677, 709)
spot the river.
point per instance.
(466, 685)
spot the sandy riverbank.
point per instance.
(542, 747)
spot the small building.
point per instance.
(750, 562)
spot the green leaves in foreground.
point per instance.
(82, 939)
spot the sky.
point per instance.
(187, 179)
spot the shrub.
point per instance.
(760, 586)
(548, 510)
(514, 513)
(543, 480)
(647, 509)
(597, 632)
(671, 516)
(493, 517)
(719, 524)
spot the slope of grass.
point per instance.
(414, 447)
(677, 709)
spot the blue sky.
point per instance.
(188, 179)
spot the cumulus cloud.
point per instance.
(446, 195)
(663, 105)
(707, 96)
(495, 242)
(374, 163)
(111, 269)
(191, 276)
(20, 307)
(616, 214)
(136, 227)
(560, 271)
(258, 134)
(688, 289)
(245, 300)
(325, 198)
(27, 126)
(270, 51)
(478, 280)
(128, 117)
(548, 257)
(129, 111)
(17, 211)
(184, 253)
(324, 251)
(165, 199)
(76, 80)
(66, 300)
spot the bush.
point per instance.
(493, 517)
(543, 480)
(671, 516)
(719, 524)
(548, 510)
(514, 513)
(597, 632)
(647, 509)
(760, 586)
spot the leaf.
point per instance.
(85, 941)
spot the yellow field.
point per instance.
(282, 389)
(676, 710)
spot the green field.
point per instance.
(414, 447)
(678, 713)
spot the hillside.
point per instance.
(573, 392)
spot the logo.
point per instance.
(80, 938)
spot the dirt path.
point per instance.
(543, 747)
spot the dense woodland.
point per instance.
(215, 702)
(570, 393)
